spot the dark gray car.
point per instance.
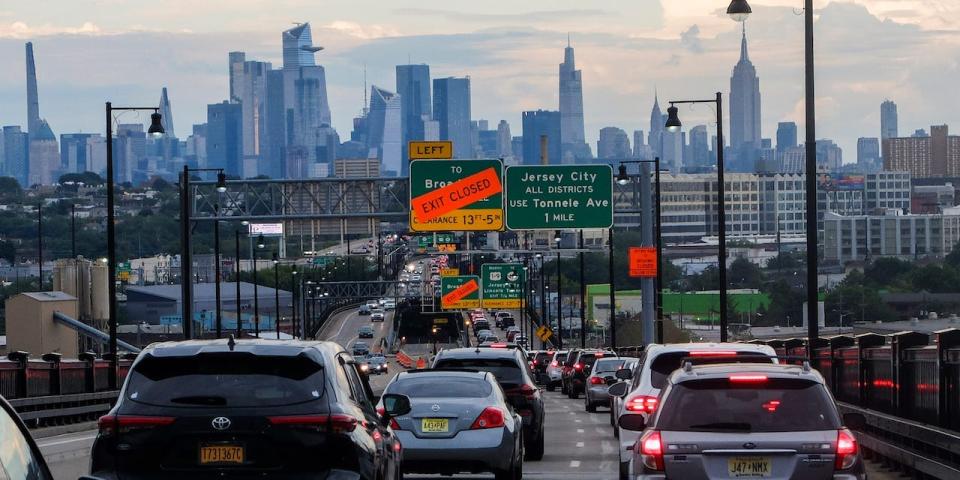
(459, 421)
(746, 421)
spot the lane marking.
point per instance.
(42, 444)
(579, 444)
(574, 463)
(579, 430)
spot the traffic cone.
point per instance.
(421, 364)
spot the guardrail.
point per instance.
(54, 391)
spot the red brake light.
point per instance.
(643, 403)
(846, 449)
(712, 353)
(110, 424)
(748, 378)
(498, 345)
(553, 363)
(490, 417)
(337, 422)
(651, 450)
(578, 366)
(598, 355)
(596, 381)
(771, 406)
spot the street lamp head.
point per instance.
(539, 255)
(557, 236)
(622, 177)
(673, 120)
(275, 259)
(244, 223)
(156, 126)
(260, 241)
(221, 182)
(739, 10)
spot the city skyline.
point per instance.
(512, 67)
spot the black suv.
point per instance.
(509, 365)
(581, 363)
(247, 409)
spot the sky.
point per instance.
(91, 51)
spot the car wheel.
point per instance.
(572, 392)
(536, 448)
(551, 387)
(591, 408)
(624, 470)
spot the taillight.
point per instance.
(553, 363)
(748, 378)
(846, 449)
(651, 450)
(336, 423)
(578, 366)
(643, 404)
(597, 381)
(490, 417)
(111, 424)
(526, 390)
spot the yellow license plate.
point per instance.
(434, 425)
(749, 467)
(221, 454)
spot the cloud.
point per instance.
(523, 17)
(690, 39)
(21, 30)
(363, 32)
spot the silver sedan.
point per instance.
(459, 422)
(602, 375)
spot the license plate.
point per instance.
(749, 467)
(434, 425)
(221, 454)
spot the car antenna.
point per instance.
(231, 342)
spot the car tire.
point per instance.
(563, 388)
(535, 450)
(572, 392)
(551, 387)
(624, 470)
(591, 408)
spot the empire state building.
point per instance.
(745, 109)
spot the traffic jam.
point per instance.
(296, 409)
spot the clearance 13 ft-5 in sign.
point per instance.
(456, 195)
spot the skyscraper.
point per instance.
(451, 108)
(786, 136)
(15, 153)
(33, 97)
(306, 114)
(657, 122)
(129, 151)
(298, 47)
(868, 153)
(572, 138)
(73, 152)
(413, 85)
(504, 146)
(166, 114)
(225, 137)
(384, 135)
(613, 144)
(536, 124)
(744, 105)
(888, 120)
(249, 87)
(699, 147)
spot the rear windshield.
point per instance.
(231, 380)
(446, 386)
(776, 405)
(560, 358)
(666, 363)
(608, 365)
(506, 370)
(542, 357)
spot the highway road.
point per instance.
(580, 445)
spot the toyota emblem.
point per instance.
(750, 445)
(221, 423)
(435, 407)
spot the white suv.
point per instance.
(555, 369)
(650, 375)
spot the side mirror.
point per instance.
(611, 381)
(632, 422)
(618, 390)
(624, 374)
(395, 405)
(854, 421)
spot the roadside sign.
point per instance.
(266, 229)
(449, 272)
(456, 195)
(551, 197)
(544, 333)
(424, 150)
(643, 262)
(446, 247)
(425, 241)
(502, 285)
(460, 292)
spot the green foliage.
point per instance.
(8, 251)
(10, 190)
(87, 178)
(743, 273)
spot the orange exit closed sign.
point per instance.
(643, 262)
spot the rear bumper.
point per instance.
(597, 395)
(469, 451)
(180, 475)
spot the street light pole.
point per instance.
(73, 230)
(813, 322)
(216, 268)
(156, 128)
(613, 293)
(673, 125)
(276, 292)
(583, 296)
(239, 307)
(40, 243)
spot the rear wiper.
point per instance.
(738, 426)
(200, 400)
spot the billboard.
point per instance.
(266, 229)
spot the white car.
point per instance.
(389, 305)
(555, 369)
(377, 316)
(649, 376)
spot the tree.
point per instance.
(744, 274)
(784, 260)
(10, 190)
(884, 270)
(8, 251)
(86, 178)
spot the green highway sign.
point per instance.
(459, 292)
(502, 285)
(426, 241)
(551, 197)
(456, 195)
